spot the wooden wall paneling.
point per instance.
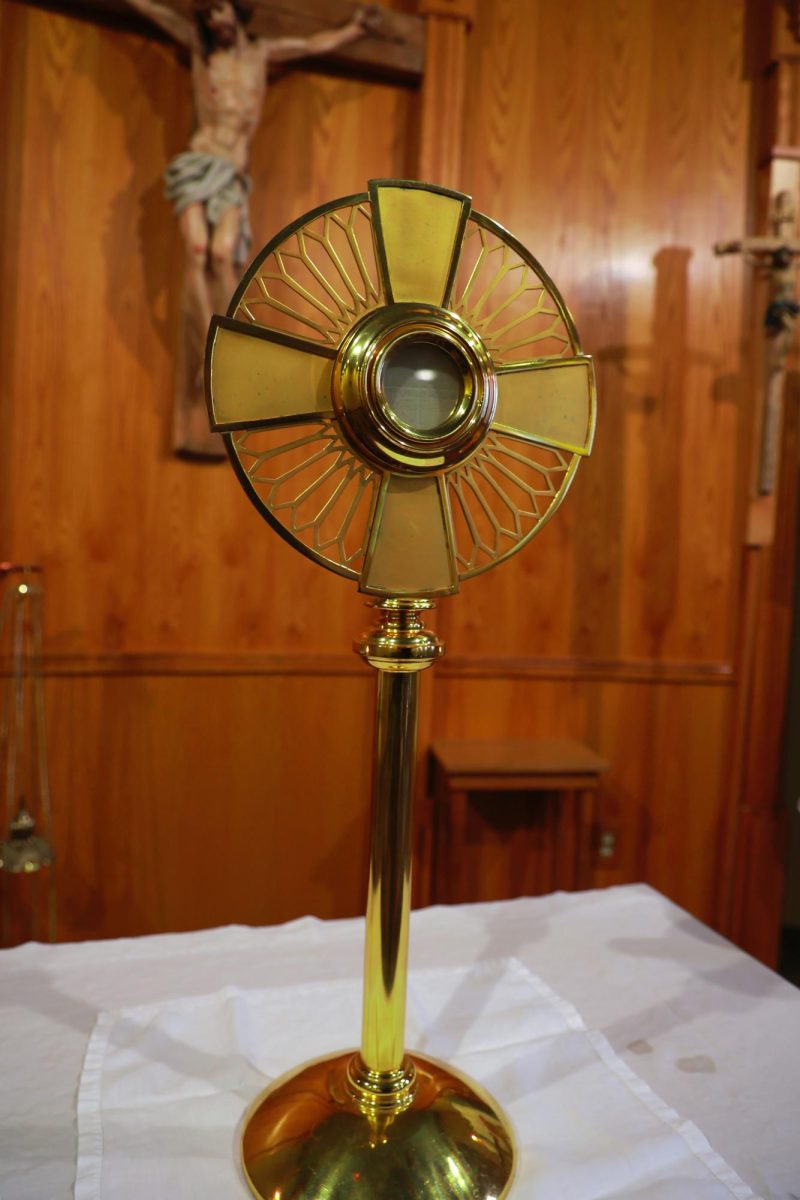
(751, 902)
(144, 551)
(632, 128)
(11, 123)
(153, 564)
(664, 797)
(611, 140)
(182, 802)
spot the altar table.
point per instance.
(712, 1032)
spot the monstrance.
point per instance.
(404, 399)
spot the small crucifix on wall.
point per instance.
(208, 182)
(777, 255)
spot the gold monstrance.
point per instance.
(403, 397)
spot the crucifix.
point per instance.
(208, 183)
(232, 48)
(776, 256)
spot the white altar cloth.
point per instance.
(713, 1034)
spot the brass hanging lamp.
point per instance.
(24, 780)
(404, 399)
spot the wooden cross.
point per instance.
(395, 53)
(232, 52)
(776, 255)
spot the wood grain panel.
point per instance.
(144, 551)
(181, 803)
(612, 140)
(751, 896)
(663, 798)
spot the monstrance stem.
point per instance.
(399, 648)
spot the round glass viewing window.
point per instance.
(422, 385)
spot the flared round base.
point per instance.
(307, 1137)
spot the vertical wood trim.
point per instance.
(753, 869)
(12, 138)
(443, 90)
(441, 140)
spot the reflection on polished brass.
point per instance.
(309, 1138)
(408, 487)
(333, 300)
(399, 648)
(362, 406)
(379, 1123)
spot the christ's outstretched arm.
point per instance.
(172, 22)
(287, 48)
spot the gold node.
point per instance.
(400, 642)
(382, 1091)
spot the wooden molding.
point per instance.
(453, 10)
(189, 663)
(622, 670)
(463, 666)
(444, 89)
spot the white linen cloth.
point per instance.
(164, 1087)
(711, 1031)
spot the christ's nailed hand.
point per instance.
(369, 17)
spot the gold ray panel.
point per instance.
(418, 233)
(255, 378)
(550, 403)
(502, 497)
(411, 550)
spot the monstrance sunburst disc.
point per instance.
(404, 398)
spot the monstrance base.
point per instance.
(307, 1137)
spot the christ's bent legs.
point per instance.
(223, 248)
(193, 227)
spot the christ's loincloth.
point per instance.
(194, 177)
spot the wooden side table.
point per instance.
(510, 818)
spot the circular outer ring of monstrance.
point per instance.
(408, 487)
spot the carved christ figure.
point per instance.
(208, 183)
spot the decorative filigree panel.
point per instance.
(501, 497)
(507, 299)
(308, 478)
(319, 279)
